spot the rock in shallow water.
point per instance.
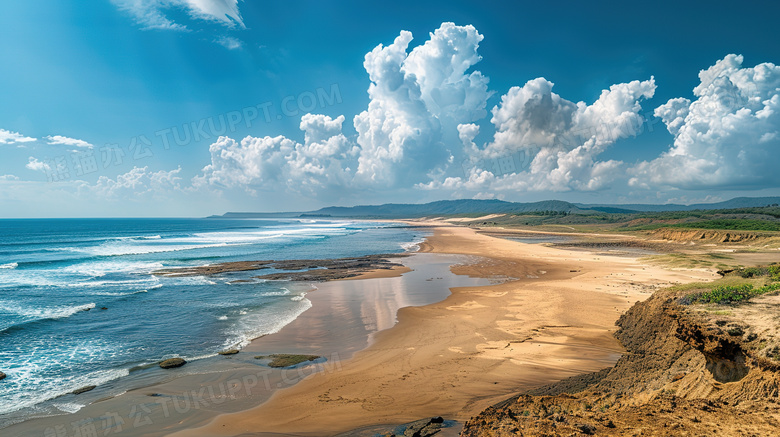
(424, 428)
(2, 376)
(84, 389)
(229, 352)
(172, 363)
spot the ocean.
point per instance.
(79, 304)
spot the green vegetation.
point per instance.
(773, 271)
(733, 288)
(732, 293)
(287, 360)
(739, 219)
(732, 225)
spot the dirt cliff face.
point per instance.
(711, 236)
(683, 373)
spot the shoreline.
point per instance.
(238, 382)
(492, 341)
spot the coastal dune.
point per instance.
(549, 315)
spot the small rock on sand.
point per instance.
(172, 363)
(229, 352)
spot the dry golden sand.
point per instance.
(478, 346)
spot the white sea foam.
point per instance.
(412, 246)
(113, 249)
(141, 237)
(9, 266)
(118, 294)
(282, 292)
(31, 313)
(40, 389)
(267, 321)
(69, 407)
(102, 268)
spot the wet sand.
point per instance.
(478, 346)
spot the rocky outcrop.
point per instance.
(681, 374)
(2, 376)
(173, 363)
(296, 270)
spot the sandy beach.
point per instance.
(552, 316)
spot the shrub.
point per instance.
(731, 293)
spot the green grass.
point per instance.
(727, 294)
(732, 225)
(703, 286)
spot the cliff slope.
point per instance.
(688, 370)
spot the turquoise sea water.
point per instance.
(52, 271)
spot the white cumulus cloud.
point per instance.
(543, 142)
(416, 98)
(59, 139)
(273, 162)
(9, 137)
(35, 165)
(726, 137)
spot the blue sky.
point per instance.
(196, 107)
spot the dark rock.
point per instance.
(424, 427)
(287, 360)
(84, 389)
(229, 352)
(2, 376)
(103, 308)
(172, 363)
(587, 429)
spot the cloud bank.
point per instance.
(421, 123)
(421, 130)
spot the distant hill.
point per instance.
(438, 208)
(737, 202)
(473, 206)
